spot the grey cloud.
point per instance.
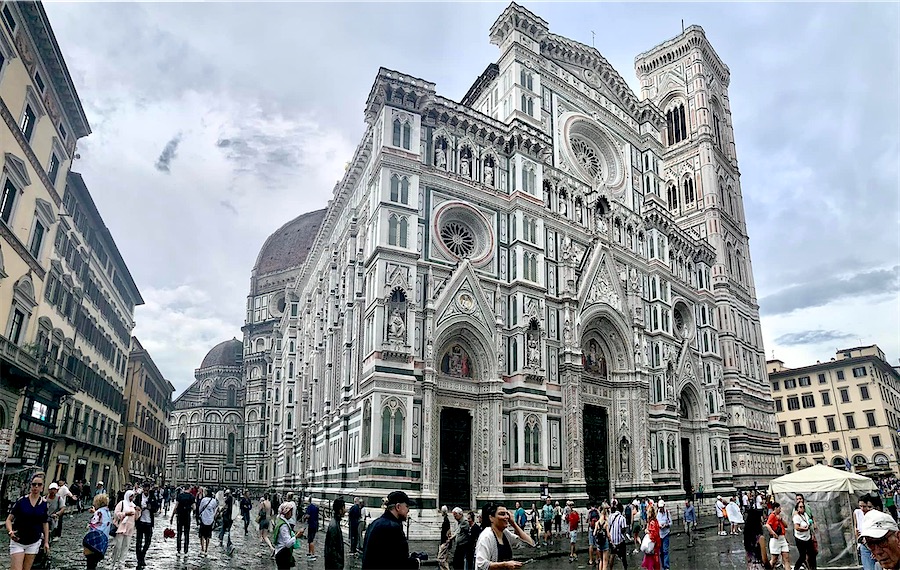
(818, 336)
(228, 206)
(168, 154)
(824, 291)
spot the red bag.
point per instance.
(168, 533)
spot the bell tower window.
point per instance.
(676, 124)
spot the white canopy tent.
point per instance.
(822, 478)
(830, 495)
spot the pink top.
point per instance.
(125, 515)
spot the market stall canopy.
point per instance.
(821, 478)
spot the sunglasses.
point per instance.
(37, 484)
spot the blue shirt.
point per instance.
(312, 515)
(665, 523)
(690, 515)
(520, 517)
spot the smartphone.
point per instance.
(529, 561)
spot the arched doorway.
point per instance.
(690, 433)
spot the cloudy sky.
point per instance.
(216, 123)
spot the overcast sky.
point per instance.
(213, 124)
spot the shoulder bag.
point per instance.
(647, 545)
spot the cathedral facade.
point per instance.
(545, 284)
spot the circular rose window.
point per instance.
(586, 154)
(462, 232)
(458, 238)
(592, 152)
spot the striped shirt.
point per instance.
(616, 528)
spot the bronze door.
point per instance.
(596, 453)
(456, 458)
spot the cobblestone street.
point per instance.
(710, 552)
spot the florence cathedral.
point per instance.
(547, 283)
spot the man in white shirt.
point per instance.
(206, 514)
(720, 515)
(64, 491)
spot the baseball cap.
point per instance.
(99, 482)
(457, 510)
(397, 497)
(53, 486)
(876, 524)
(662, 503)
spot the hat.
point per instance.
(397, 497)
(53, 486)
(876, 524)
(99, 482)
(457, 510)
(662, 504)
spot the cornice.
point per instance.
(674, 49)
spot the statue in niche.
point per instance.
(464, 166)
(456, 362)
(593, 361)
(440, 156)
(567, 332)
(396, 328)
(578, 211)
(624, 456)
(534, 354)
(489, 174)
(562, 204)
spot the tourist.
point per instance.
(28, 527)
(284, 537)
(753, 537)
(690, 521)
(353, 525)
(78, 493)
(245, 505)
(572, 519)
(312, 526)
(665, 526)
(601, 538)
(616, 528)
(227, 514)
(557, 518)
(865, 555)
(96, 540)
(636, 524)
(262, 520)
(651, 558)
(547, 514)
(149, 505)
(700, 493)
(520, 515)
(733, 512)
(386, 546)
(55, 510)
(124, 518)
(878, 534)
(206, 515)
(474, 533)
(166, 499)
(720, 515)
(100, 489)
(460, 539)
(66, 494)
(803, 529)
(334, 538)
(778, 544)
(593, 515)
(493, 549)
(184, 506)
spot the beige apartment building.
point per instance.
(148, 398)
(844, 412)
(41, 119)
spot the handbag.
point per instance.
(647, 545)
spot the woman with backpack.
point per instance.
(284, 538)
(123, 518)
(96, 541)
(601, 538)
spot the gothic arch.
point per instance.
(601, 321)
(476, 347)
(689, 403)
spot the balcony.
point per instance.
(22, 361)
(36, 427)
(30, 362)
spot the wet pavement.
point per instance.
(710, 552)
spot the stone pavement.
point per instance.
(711, 551)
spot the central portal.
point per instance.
(686, 466)
(456, 458)
(596, 454)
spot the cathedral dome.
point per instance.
(228, 353)
(289, 245)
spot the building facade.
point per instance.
(844, 412)
(90, 287)
(42, 119)
(206, 429)
(547, 283)
(148, 402)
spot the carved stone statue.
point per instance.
(534, 354)
(567, 332)
(488, 175)
(624, 456)
(464, 168)
(397, 327)
(578, 211)
(440, 156)
(562, 204)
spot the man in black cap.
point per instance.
(386, 547)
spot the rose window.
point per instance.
(458, 238)
(587, 157)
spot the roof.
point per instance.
(228, 353)
(289, 245)
(821, 478)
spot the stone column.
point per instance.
(429, 432)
